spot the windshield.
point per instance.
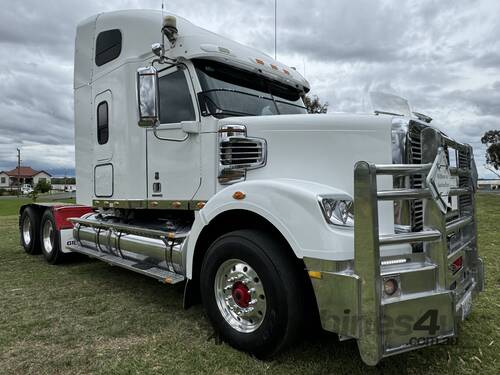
(229, 91)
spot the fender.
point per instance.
(292, 207)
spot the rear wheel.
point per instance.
(29, 227)
(50, 239)
(251, 289)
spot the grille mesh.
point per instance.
(465, 201)
(416, 181)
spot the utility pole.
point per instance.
(18, 172)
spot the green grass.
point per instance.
(10, 206)
(87, 317)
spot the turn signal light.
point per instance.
(314, 274)
(238, 195)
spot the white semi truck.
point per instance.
(197, 162)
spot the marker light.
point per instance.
(457, 265)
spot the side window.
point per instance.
(102, 123)
(3, 180)
(176, 104)
(108, 46)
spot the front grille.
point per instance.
(465, 201)
(416, 181)
(241, 152)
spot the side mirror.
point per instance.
(191, 127)
(147, 96)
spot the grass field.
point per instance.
(87, 317)
(9, 207)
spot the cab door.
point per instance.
(173, 156)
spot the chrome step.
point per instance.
(160, 274)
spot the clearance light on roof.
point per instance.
(274, 67)
(259, 61)
(286, 72)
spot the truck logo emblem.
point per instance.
(439, 180)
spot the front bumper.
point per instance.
(433, 297)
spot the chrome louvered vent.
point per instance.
(241, 151)
(238, 153)
(465, 201)
(416, 181)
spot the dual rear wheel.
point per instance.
(39, 234)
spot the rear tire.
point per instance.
(29, 231)
(50, 239)
(252, 292)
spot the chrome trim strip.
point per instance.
(423, 236)
(154, 204)
(457, 224)
(388, 195)
(402, 169)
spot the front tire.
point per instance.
(50, 239)
(29, 229)
(252, 292)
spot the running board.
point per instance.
(160, 274)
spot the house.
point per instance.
(22, 175)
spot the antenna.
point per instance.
(275, 27)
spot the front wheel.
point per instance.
(252, 292)
(50, 239)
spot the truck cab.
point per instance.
(196, 162)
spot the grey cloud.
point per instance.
(441, 55)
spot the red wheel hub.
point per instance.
(241, 295)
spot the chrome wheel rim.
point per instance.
(48, 236)
(240, 295)
(27, 230)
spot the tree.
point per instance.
(42, 187)
(492, 141)
(313, 104)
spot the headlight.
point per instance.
(337, 211)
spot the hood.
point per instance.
(320, 148)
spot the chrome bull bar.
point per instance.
(373, 343)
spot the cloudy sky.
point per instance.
(442, 55)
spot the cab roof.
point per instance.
(141, 28)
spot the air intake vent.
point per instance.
(238, 153)
(241, 152)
